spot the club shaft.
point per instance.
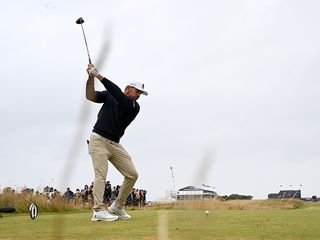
(85, 40)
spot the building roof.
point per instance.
(190, 188)
(193, 188)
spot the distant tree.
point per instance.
(237, 197)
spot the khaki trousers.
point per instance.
(103, 150)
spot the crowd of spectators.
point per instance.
(84, 196)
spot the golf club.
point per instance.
(80, 21)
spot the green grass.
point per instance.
(302, 223)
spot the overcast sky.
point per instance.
(233, 92)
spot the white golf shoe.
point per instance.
(103, 216)
(120, 212)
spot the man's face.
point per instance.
(132, 92)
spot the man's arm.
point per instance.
(115, 91)
(90, 91)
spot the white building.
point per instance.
(194, 193)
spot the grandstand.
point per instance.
(285, 194)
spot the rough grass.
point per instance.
(22, 201)
(232, 204)
(275, 224)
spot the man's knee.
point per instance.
(133, 176)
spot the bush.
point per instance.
(237, 197)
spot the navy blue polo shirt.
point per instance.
(116, 113)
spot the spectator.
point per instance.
(129, 200)
(85, 194)
(137, 193)
(51, 193)
(144, 197)
(54, 194)
(90, 195)
(117, 190)
(78, 196)
(134, 198)
(141, 200)
(107, 193)
(113, 193)
(69, 195)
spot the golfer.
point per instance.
(118, 110)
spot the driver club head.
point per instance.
(80, 20)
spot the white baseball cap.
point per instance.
(139, 86)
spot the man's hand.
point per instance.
(92, 71)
